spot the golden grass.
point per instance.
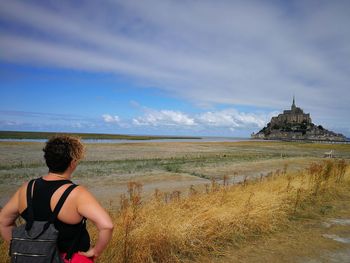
(172, 228)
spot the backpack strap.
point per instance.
(30, 205)
(54, 214)
(61, 202)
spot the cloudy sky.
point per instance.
(181, 67)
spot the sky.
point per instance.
(180, 67)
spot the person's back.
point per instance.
(62, 154)
(42, 192)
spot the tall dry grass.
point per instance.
(171, 228)
(176, 228)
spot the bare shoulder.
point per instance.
(24, 186)
(82, 193)
(82, 190)
(22, 190)
(22, 196)
(89, 207)
(17, 202)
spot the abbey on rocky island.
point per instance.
(294, 124)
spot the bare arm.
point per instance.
(8, 216)
(89, 207)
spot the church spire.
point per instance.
(293, 105)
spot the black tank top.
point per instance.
(42, 193)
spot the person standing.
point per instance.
(62, 155)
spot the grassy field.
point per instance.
(203, 225)
(194, 202)
(169, 166)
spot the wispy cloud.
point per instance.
(42, 115)
(164, 118)
(23, 120)
(209, 52)
(111, 119)
(228, 119)
(233, 119)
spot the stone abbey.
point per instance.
(295, 115)
(294, 124)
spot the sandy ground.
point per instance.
(108, 189)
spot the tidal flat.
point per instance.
(166, 166)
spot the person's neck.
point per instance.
(63, 176)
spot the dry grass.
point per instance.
(174, 228)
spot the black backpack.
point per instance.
(35, 241)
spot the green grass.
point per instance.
(174, 164)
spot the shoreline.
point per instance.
(116, 141)
(305, 141)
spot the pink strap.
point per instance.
(77, 258)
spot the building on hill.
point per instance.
(294, 124)
(295, 115)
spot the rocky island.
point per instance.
(294, 124)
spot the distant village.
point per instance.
(294, 124)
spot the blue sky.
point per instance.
(219, 68)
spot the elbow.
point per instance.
(109, 226)
(1, 219)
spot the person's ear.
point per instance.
(74, 164)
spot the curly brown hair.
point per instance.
(60, 150)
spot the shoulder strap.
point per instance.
(61, 202)
(30, 204)
(54, 214)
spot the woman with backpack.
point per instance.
(53, 198)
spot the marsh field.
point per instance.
(233, 200)
(107, 168)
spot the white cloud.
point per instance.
(9, 123)
(228, 119)
(232, 118)
(111, 119)
(77, 125)
(164, 118)
(218, 119)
